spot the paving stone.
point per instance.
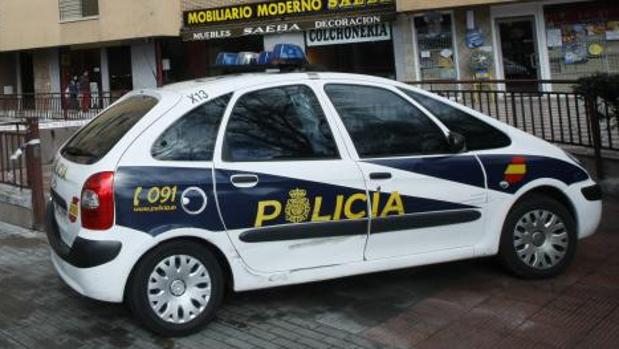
(462, 304)
(604, 335)
(461, 335)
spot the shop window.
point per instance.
(76, 9)
(282, 123)
(435, 46)
(383, 124)
(582, 38)
(372, 58)
(119, 62)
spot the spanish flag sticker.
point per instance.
(516, 170)
(73, 210)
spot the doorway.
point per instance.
(27, 79)
(519, 53)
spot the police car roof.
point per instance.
(229, 83)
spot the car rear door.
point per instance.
(424, 198)
(289, 194)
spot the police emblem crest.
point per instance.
(297, 206)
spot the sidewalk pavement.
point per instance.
(467, 304)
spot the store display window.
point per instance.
(435, 46)
(582, 38)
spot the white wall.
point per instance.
(143, 65)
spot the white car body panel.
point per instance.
(284, 262)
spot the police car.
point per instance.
(259, 180)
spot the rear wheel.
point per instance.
(176, 288)
(539, 238)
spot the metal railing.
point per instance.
(54, 106)
(548, 109)
(20, 163)
(13, 170)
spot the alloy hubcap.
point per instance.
(540, 239)
(179, 289)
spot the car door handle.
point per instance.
(378, 176)
(244, 180)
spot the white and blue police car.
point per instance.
(260, 180)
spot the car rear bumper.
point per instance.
(83, 253)
(93, 268)
(100, 283)
(588, 206)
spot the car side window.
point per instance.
(192, 137)
(478, 134)
(280, 123)
(383, 124)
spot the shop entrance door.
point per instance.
(519, 53)
(27, 80)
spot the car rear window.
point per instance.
(94, 140)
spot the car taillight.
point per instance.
(97, 204)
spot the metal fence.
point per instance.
(54, 106)
(20, 163)
(547, 109)
(12, 165)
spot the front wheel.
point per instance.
(176, 288)
(539, 238)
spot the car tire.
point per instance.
(539, 238)
(176, 288)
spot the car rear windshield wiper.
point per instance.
(75, 151)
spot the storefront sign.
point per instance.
(283, 16)
(261, 28)
(278, 9)
(334, 36)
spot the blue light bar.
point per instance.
(288, 53)
(226, 58)
(246, 58)
(265, 57)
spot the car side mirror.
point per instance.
(457, 142)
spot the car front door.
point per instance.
(423, 197)
(289, 195)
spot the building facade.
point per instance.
(353, 36)
(506, 40)
(124, 45)
(44, 44)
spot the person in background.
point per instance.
(74, 91)
(84, 87)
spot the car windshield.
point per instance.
(96, 139)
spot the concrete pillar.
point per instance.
(143, 65)
(402, 34)
(105, 72)
(284, 38)
(42, 72)
(18, 83)
(54, 70)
